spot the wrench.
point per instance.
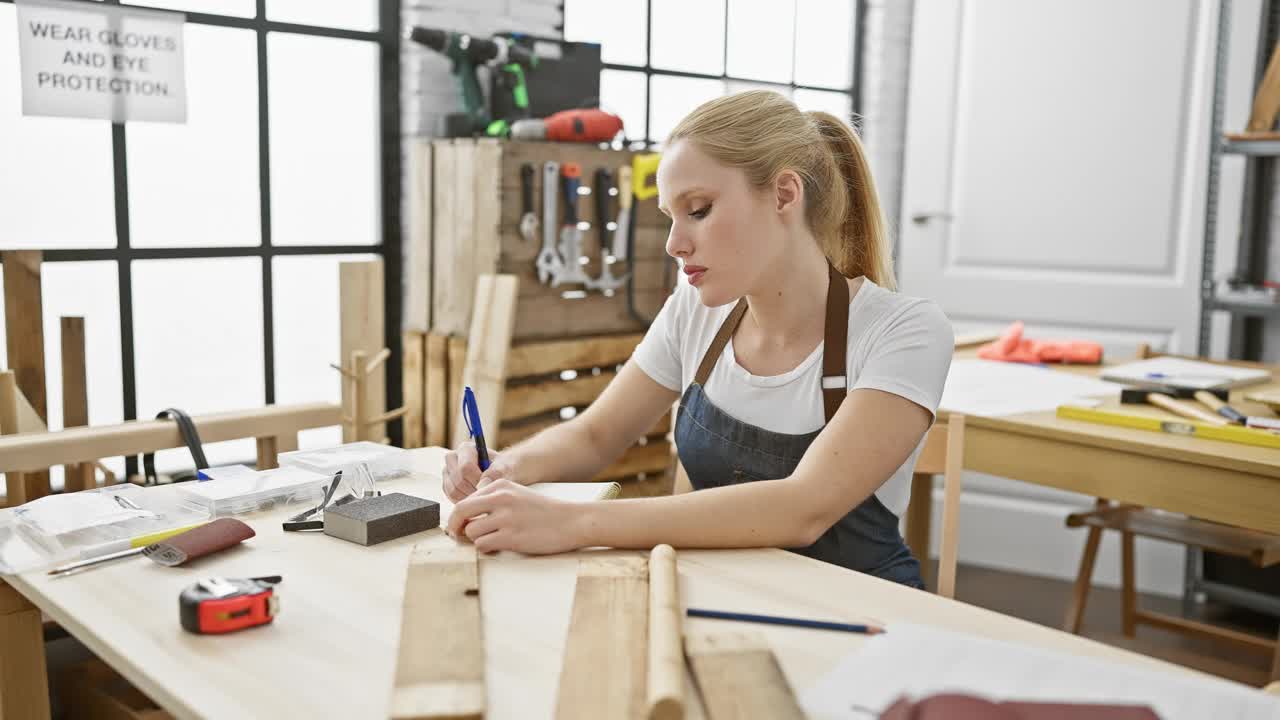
(549, 264)
(570, 233)
(528, 220)
(606, 283)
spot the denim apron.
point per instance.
(717, 449)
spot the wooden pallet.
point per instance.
(544, 378)
(465, 223)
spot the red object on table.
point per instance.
(1012, 347)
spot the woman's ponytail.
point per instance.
(860, 245)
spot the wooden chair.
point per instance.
(943, 454)
(1131, 521)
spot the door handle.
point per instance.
(921, 218)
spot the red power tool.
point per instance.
(588, 125)
(221, 605)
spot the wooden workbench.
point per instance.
(332, 650)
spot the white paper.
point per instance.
(1186, 373)
(992, 389)
(918, 660)
(58, 514)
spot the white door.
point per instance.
(1055, 173)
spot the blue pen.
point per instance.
(471, 416)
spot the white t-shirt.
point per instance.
(897, 344)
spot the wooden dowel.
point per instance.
(1185, 410)
(377, 361)
(665, 698)
(387, 416)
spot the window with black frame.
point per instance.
(204, 256)
(662, 58)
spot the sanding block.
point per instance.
(378, 519)
(198, 542)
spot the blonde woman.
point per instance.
(806, 383)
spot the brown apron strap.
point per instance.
(721, 339)
(835, 345)
(836, 342)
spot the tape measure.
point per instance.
(221, 605)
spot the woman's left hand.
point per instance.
(504, 515)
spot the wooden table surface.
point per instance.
(1214, 480)
(332, 650)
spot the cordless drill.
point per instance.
(467, 53)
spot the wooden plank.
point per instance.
(485, 371)
(413, 384)
(86, 444)
(417, 276)
(24, 338)
(363, 329)
(437, 387)
(665, 694)
(654, 457)
(738, 677)
(487, 208)
(606, 652)
(75, 397)
(457, 361)
(543, 358)
(1266, 101)
(514, 432)
(440, 664)
(24, 686)
(445, 244)
(15, 484)
(536, 398)
(550, 316)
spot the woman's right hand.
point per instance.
(462, 475)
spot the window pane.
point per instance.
(836, 103)
(199, 350)
(89, 290)
(688, 35)
(824, 43)
(56, 181)
(618, 26)
(623, 93)
(239, 8)
(197, 184)
(349, 14)
(675, 97)
(761, 39)
(324, 140)
(304, 293)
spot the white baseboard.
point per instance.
(1019, 527)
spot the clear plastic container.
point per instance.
(383, 461)
(261, 491)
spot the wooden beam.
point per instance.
(738, 677)
(440, 664)
(362, 328)
(75, 397)
(417, 276)
(544, 358)
(490, 338)
(24, 338)
(15, 484)
(24, 685)
(414, 344)
(27, 452)
(536, 398)
(437, 390)
(453, 394)
(665, 693)
(606, 652)
(651, 458)
(1266, 101)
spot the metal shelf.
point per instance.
(1260, 308)
(1252, 148)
